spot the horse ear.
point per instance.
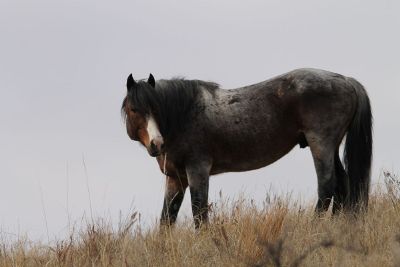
(130, 83)
(151, 81)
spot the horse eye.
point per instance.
(134, 110)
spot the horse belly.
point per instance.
(252, 155)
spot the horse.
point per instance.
(196, 129)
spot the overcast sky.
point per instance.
(63, 68)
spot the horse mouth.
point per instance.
(154, 153)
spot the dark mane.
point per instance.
(170, 101)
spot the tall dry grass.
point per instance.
(279, 233)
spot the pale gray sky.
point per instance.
(63, 67)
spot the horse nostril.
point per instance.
(162, 146)
(153, 146)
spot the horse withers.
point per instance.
(195, 129)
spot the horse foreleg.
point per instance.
(198, 179)
(174, 192)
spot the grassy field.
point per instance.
(279, 233)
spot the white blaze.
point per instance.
(152, 129)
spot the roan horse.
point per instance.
(195, 129)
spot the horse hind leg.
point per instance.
(323, 154)
(342, 190)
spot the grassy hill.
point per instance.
(279, 233)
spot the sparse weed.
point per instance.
(280, 232)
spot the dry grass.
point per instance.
(280, 233)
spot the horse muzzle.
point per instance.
(156, 147)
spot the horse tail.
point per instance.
(358, 149)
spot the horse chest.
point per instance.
(168, 167)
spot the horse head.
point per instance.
(140, 108)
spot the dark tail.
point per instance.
(358, 149)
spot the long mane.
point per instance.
(170, 102)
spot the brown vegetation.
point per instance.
(280, 233)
